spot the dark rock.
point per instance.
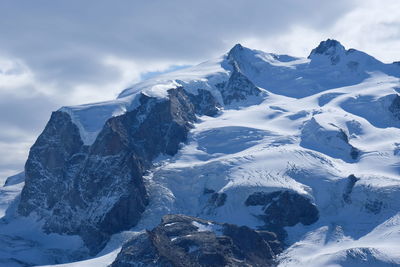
(351, 181)
(98, 190)
(374, 206)
(236, 49)
(272, 239)
(205, 103)
(251, 242)
(329, 47)
(238, 87)
(354, 153)
(187, 241)
(284, 208)
(47, 161)
(217, 199)
(395, 107)
(208, 191)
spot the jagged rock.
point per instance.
(328, 47)
(238, 88)
(205, 103)
(331, 49)
(235, 50)
(283, 208)
(187, 241)
(351, 181)
(50, 155)
(98, 190)
(217, 199)
(394, 107)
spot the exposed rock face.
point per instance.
(48, 158)
(205, 103)
(187, 241)
(284, 208)
(217, 199)
(97, 190)
(395, 107)
(238, 88)
(351, 181)
(328, 47)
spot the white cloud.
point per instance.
(13, 74)
(373, 27)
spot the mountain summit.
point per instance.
(329, 47)
(250, 159)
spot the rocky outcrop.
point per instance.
(187, 241)
(330, 48)
(394, 107)
(283, 208)
(97, 190)
(238, 87)
(204, 103)
(217, 199)
(351, 182)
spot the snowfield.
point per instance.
(320, 120)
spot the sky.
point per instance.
(69, 52)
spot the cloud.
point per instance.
(55, 53)
(65, 42)
(372, 26)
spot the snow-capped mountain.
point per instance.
(302, 153)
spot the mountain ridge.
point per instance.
(201, 141)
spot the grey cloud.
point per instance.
(64, 44)
(65, 40)
(25, 114)
(22, 120)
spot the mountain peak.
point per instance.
(235, 50)
(237, 46)
(329, 47)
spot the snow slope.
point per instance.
(321, 119)
(261, 148)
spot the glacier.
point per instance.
(321, 130)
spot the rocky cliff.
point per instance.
(183, 241)
(97, 190)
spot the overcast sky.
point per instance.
(56, 53)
